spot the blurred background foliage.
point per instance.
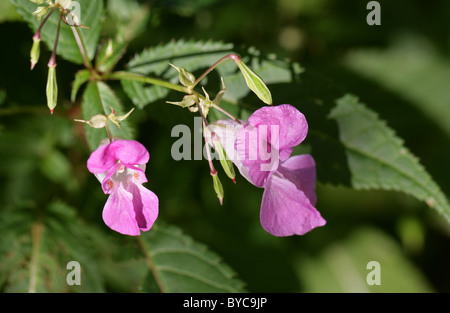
(400, 69)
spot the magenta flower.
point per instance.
(261, 149)
(120, 166)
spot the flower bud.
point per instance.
(188, 100)
(40, 12)
(217, 186)
(52, 87)
(226, 163)
(255, 83)
(96, 121)
(38, 2)
(35, 50)
(117, 119)
(64, 3)
(187, 79)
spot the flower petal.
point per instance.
(286, 210)
(145, 204)
(129, 152)
(292, 124)
(301, 170)
(101, 160)
(257, 155)
(119, 214)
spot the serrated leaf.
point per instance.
(196, 57)
(378, 159)
(99, 98)
(81, 77)
(183, 265)
(35, 248)
(91, 16)
(155, 62)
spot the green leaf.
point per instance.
(342, 266)
(378, 159)
(8, 13)
(57, 167)
(155, 62)
(127, 19)
(183, 265)
(108, 56)
(36, 246)
(91, 16)
(81, 77)
(196, 57)
(99, 98)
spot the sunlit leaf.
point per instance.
(378, 159)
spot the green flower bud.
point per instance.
(117, 119)
(52, 88)
(188, 100)
(226, 163)
(96, 121)
(40, 12)
(35, 50)
(255, 83)
(217, 186)
(187, 79)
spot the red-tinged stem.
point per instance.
(38, 31)
(215, 106)
(52, 61)
(81, 46)
(233, 57)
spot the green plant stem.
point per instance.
(149, 80)
(80, 42)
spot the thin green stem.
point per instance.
(149, 80)
(80, 42)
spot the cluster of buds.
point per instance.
(68, 16)
(196, 102)
(100, 120)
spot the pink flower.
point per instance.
(120, 166)
(261, 149)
